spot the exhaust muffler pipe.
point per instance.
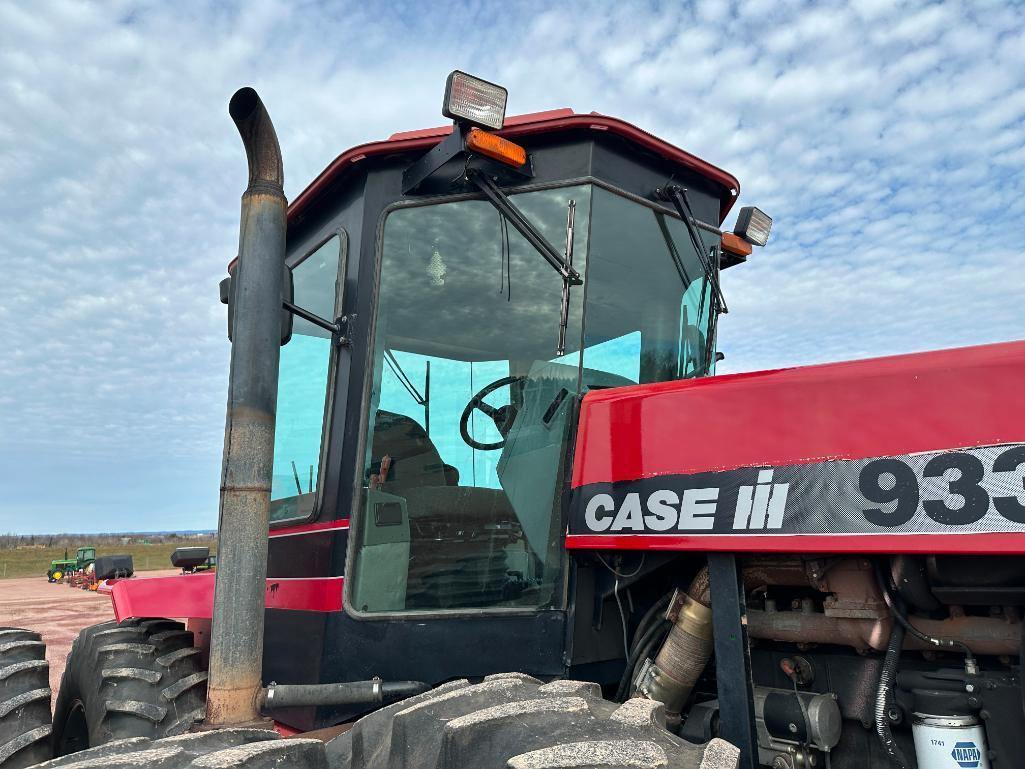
(236, 637)
(671, 677)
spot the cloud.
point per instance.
(887, 142)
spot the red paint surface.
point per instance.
(524, 125)
(976, 544)
(310, 528)
(973, 396)
(192, 596)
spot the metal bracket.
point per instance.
(453, 146)
(335, 328)
(732, 657)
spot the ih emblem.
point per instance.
(761, 506)
(966, 755)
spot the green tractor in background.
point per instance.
(61, 567)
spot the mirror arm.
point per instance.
(335, 328)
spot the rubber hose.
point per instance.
(632, 659)
(884, 696)
(649, 616)
(648, 651)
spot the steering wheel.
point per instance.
(503, 416)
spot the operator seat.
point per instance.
(415, 460)
(430, 487)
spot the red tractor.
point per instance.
(515, 521)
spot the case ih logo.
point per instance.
(965, 491)
(966, 755)
(758, 507)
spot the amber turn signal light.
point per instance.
(734, 244)
(495, 147)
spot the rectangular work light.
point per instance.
(753, 225)
(474, 100)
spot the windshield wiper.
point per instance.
(501, 201)
(677, 195)
(561, 264)
(674, 252)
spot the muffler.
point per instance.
(236, 637)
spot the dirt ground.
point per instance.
(57, 611)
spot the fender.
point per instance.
(191, 596)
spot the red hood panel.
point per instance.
(906, 404)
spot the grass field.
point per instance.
(31, 561)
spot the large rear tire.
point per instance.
(142, 678)
(24, 699)
(221, 749)
(513, 721)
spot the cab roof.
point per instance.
(551, 121)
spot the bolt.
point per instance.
(793, 728)
(969, 687)
(894, 715)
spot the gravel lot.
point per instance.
(57, 611)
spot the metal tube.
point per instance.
(350, 693)
(236, 638)
(983, 635)
(684, 653)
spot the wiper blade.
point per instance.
(674, 252)
(677, 195)
(501, 201)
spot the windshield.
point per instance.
(469, 406)
(648, 316)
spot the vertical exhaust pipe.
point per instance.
(236, 639)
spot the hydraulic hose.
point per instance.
(646, 630)
(884, 697)
(642, 648)
(897, 610)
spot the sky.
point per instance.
(887, 140)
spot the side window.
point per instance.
(304, 374)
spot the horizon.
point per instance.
(888, 145)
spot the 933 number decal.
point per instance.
(966, 500)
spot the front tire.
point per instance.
(142, 678)
(219, 749)
(513, 721)
(24, 699)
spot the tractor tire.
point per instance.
(24, 699)
(513, 721)
(219, 749)
(142, 678)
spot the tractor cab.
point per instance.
(480, 289)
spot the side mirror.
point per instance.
(227, 291)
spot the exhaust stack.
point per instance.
(236, 640)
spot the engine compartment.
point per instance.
(856, 661)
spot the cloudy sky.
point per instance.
(886, 140)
